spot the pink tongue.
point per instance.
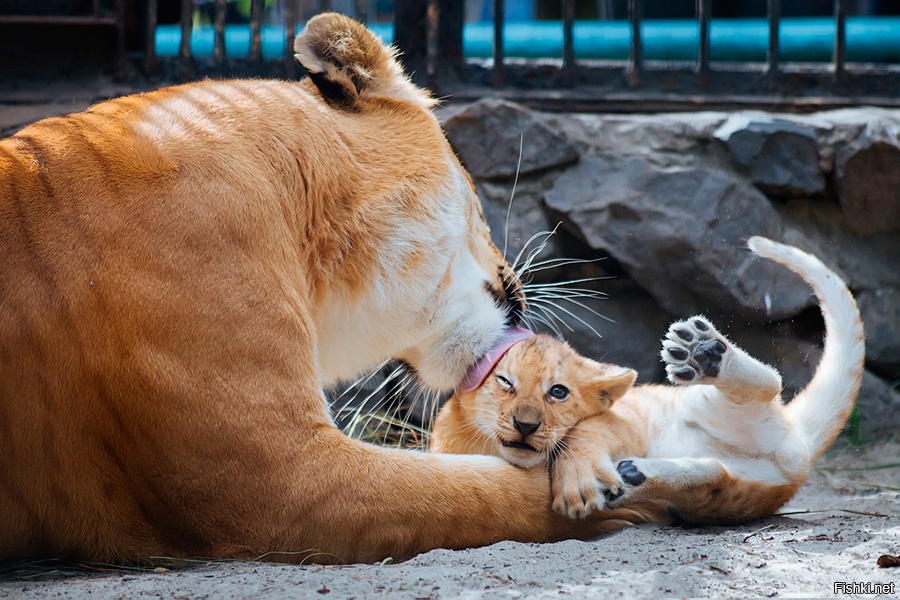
(479, 371)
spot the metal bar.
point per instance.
(184, 50)
(219, 40)
(774, 23)
(432, 25)
(362, 11)
(150, 39)
(96, 8)
(122, 66)
(290, 28)
(840, 38)
(498, 76)
(57, 20)
(703, 49)
(635, 62)
(324, 5)
(568, 34)
(256, 17)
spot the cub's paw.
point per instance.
(578, 489)
(630, 473)
(632, 477)
(692, 350)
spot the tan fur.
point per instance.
(481, 421)
(184, 270)
(720, 448)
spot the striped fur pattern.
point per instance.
(717, 447)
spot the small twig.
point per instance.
(846, 510)
(872, 468)
(757, 532)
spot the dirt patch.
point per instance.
(834, 530)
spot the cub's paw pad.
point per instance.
(692, 350)
(630, 473)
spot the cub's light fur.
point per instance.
(183, 271)
(721, 447)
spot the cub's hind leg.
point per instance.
(699, 491)
(696, 353)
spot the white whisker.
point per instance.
(513, 194)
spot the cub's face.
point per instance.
(538, 391)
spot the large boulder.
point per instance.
(780, 157)
(681, 234)
(488, 135)
(868, 182)
(881, 316)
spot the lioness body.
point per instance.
(185, 269)
(720, 447)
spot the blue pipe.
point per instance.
(869, 39)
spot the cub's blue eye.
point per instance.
(504, 382)
(559, 392)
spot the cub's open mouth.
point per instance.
(481, 369)
(518, 445)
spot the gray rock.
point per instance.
(868, 182)
(681, 234)
(780, 157)
(666, 140)
(880, 310)
(527, 218)
(878, 404)
(488, 134)
(863, 261)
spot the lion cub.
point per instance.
(719, 447)
(524, 409)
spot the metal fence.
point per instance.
(430, 35)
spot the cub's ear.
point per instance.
(346, 61)
(609, 383)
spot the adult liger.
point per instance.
(184, 270)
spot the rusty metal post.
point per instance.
(498, 75)
(568, 35)
(184, 50)
(122, 67)
(635, 60)
(290, 27)
(150, 40)
(774, 41)
(840, 39)
(703, 10)
(219, 41)
(362, 11)
(256, 17)
(432, 35)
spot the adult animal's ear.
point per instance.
(345, 61)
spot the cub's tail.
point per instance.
(820, 411)
(348, 63)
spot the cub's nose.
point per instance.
(525, 428)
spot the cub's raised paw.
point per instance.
(578, 490)
(692, 350)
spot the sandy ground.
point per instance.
(834, 530)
